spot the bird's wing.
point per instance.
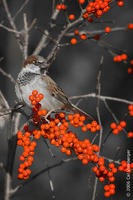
(55, 90)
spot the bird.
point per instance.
(34, 76)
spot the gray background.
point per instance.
(75, 70)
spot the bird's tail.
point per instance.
(75, 109)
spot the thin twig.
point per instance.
(43, 171)
(11, 21)
(9, 76)
(26, 36)
(102, 98)
(51, 185)
(99, 121)
(21, 8)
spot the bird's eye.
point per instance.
(37, 63)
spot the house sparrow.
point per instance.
(33, 76)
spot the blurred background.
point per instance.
(75, 70)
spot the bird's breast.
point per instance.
(48, 102)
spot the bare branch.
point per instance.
(9, 29)
(11, 21)
(26, 36)
(9, 76)
(99, 121)
(3, 105)
(21, 8)
(97, 32)
(102, 98)
(44, 39)
(45, 170)
(51, 185)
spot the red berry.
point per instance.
(73, 41)
(107, 29)
(72, 17)
(120, 3)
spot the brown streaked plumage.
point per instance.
(30, 60)
(55, 90)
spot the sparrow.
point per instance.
(34, 76)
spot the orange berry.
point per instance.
(20, 170)
(37, 99)
(113, 125)
(107, 194)
(98, 127)
(93, 129)
(114, 170)
(68, 152)
(130, 26)
(130, 134)
(88, 126)
(76, 32)
(81, 1)
(28, 171)
(33, 143)
(62, 115)
(119, 127)
(30, 158)
(25, 154)
(106, 188)
(107, 29)
(101, 179)
(73, 41)
(82, 118)
(84, 128)
(80, 156)
(122, 123)
(83, 37)
(130, 107)
(112, 191)
(120, 3)
(131, 113)
(20, 176)
(112, 179)
(22, 158)
(94, 123)
(71, 16)
(121, 168)
(33, 102)
(115, 131)
(85, 161)
(111, 165)
(63, 149)
(59, 7)
(124, 56)
(20, 143)
(44, 111)
(34, 92)
(40, 95)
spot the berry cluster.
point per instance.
(98, 7)
(27, 156)
(110, 189)
(125, 167)
(130, 108)
(35, 97)
(61, 7)
(120, 58)
(103, 173)
(57, 130)
(117, 128)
